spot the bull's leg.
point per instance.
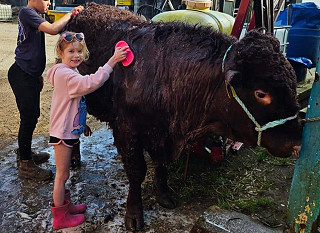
(134, 213)
(135, 167)
(163, 193)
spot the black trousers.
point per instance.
(26, 89)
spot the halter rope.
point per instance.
(258, 128)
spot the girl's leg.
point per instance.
(62, 159)
(60, 208)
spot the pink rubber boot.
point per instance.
(74, 209)
(62, 217)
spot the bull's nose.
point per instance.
(296, 150)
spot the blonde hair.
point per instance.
(62, 44)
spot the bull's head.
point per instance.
(264, 85)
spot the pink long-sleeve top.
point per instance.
(69, 86)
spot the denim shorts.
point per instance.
(67, 142)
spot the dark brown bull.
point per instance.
(175, 92)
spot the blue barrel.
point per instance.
(304, 42)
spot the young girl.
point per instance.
(65, 128)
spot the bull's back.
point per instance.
(103, 26)
(172, 62)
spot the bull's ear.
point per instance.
(231, 74)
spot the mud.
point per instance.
(100, 183)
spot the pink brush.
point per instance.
(129, 57)
(74, 13)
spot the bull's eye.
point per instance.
(262, 97)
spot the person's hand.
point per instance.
(119, 55)
(87, 131)
(76, 10)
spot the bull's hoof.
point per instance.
(134, 222)
(167, 201)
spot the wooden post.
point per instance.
(304, 198)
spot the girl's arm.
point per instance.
(79, 85)
(56, 27)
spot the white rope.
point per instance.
(259, 128)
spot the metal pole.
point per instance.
(221, 3)
(288, 14)
(304, 198)
(241, 16)
(258, 6)
(271, 16)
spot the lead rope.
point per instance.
(258, 128)
(224, 58)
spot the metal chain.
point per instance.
(311, 119)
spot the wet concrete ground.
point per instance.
(100, 183)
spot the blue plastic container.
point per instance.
(304, 42)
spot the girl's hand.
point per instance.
(87, 131)
(119, 55)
